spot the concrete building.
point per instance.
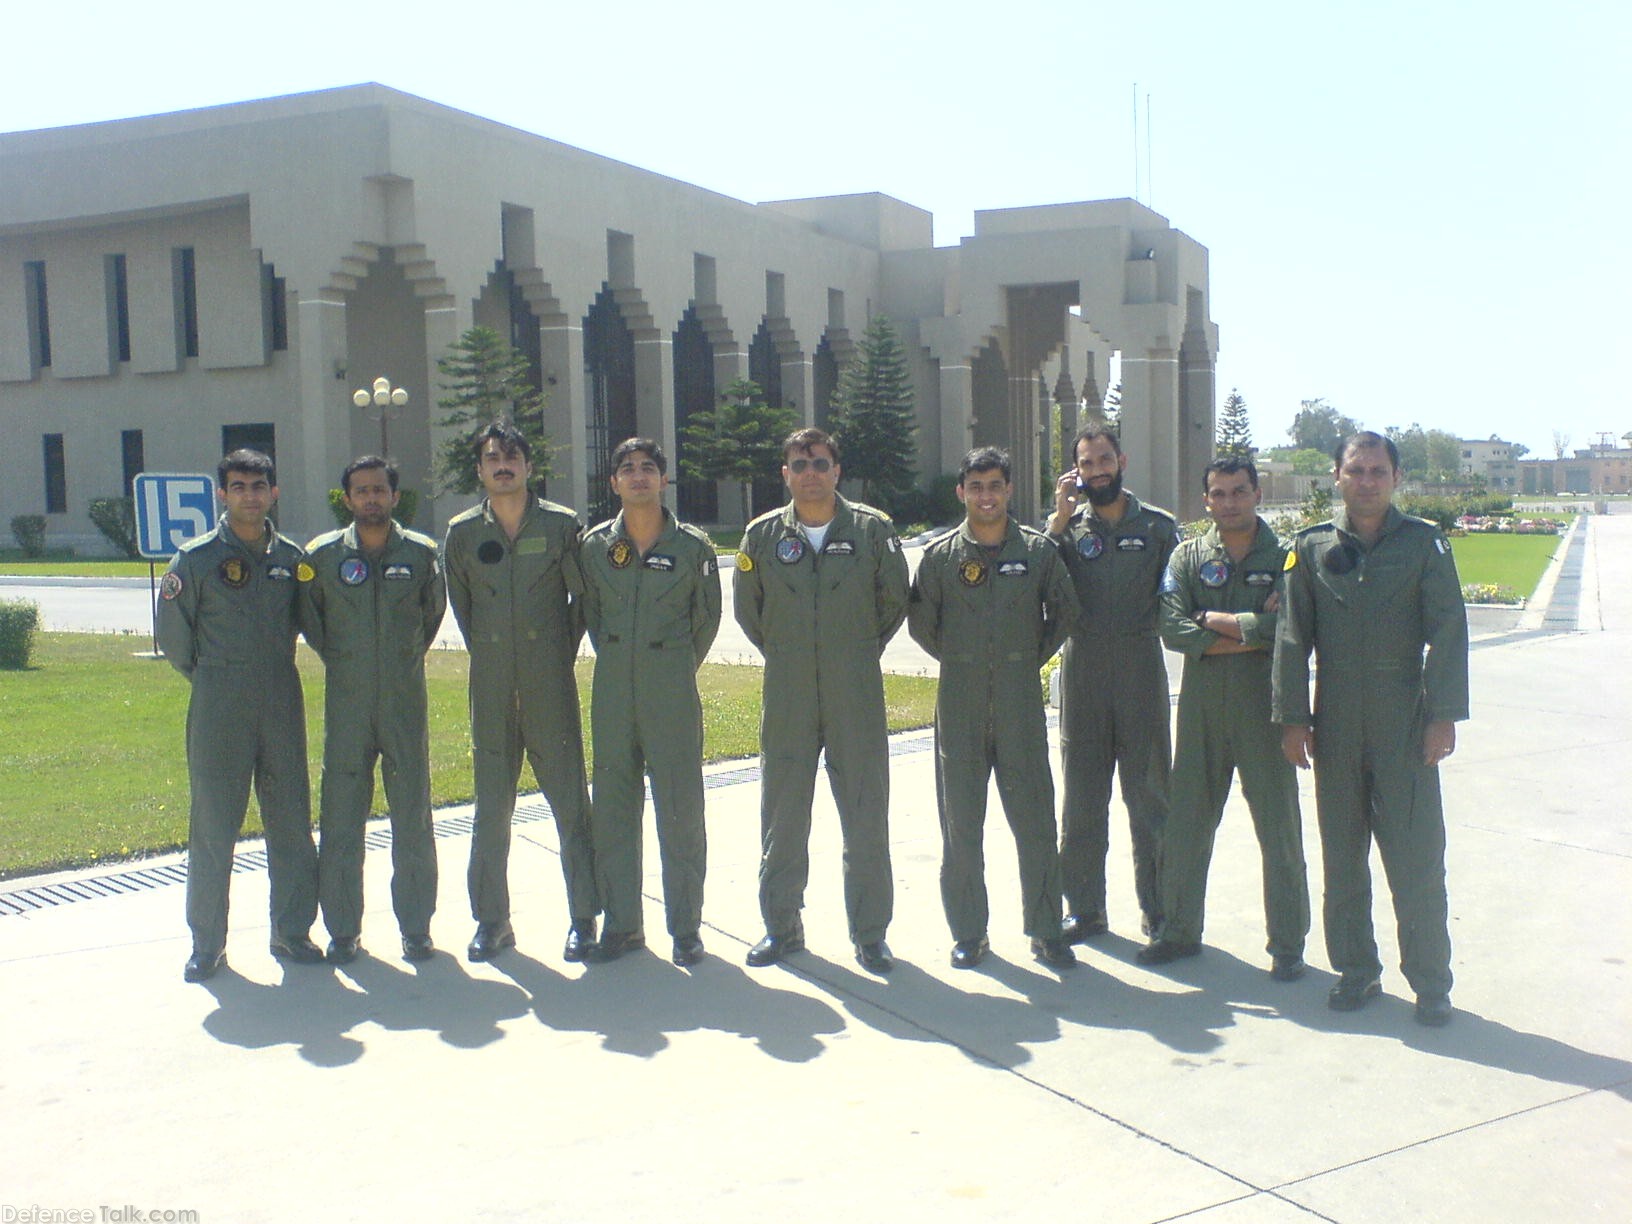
(1598, 469)
(177, 284)
(1492, 459)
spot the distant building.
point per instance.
(176, 285)
(1598, 469)
(1492, 459)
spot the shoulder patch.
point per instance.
(895, 542)
(170, 585)
(745, 563)
(304, 572)
(1170, 583)
(1291, 560)
(1442, 545)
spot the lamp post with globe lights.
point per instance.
(383, 397)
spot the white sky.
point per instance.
(1415, 208)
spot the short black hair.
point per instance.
(1088, 433)
(510, 439)
(642, 446)
(1229, 465)
(1365, 440)
(366, 463)
(984, 459)
(244, 459)
(804, 439)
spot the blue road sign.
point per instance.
(171, 508)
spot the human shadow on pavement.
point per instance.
(1223, 981)
(315, 1008)
(636, 1002)
(912, 1005)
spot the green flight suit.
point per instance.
(227, 620)
(1369, 615)
(652, 619)
(993, 617)
(822, 622)
(372, 617)
(1224, 728)
(517, 603)
(1114, 708)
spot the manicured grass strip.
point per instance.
(1516, 561)
(93, 760)
(70, 568)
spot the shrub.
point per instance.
(115, 518)
(30, 532)
(407, 507)
(19, 620)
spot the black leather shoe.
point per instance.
(297, 948)
(1165, 951)
(688, 950)
(875, 957)
(491, 939)
(343, 950)
(1434, 1010)
(967, 953)
(1287, 968)
(773, 948)
(614, 944)
(1080, 928)
(417, 948)
(580, 940)
(1054, 952)
(202, 966)
(1353, 993)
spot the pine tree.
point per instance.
(739, 440)
(1234, 432)
(486, 380)
(873, 416)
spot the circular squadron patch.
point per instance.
(1214, 573)
(1091, 545)
(490, 552)
(170, 585)
(354, 571)
(789, 549)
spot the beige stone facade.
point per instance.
(176, 283)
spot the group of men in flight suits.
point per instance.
(820, 586)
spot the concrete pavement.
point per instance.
(531, 1089)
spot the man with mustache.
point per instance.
(1114, 706)
(516, 590)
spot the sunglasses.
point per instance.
(818, 465)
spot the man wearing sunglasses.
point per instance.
(820, 588)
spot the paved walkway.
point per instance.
(531, 1089)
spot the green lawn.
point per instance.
(14, 564)
(92, 764)
(1513, 561)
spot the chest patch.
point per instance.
(532, 546)
(971, 573)
(789, 549)
(1214, 573)
(1132, 544)
(840, 548)
(490, 552)
(354, 571)
(620, 554)
(1091, 545)
(1013, 569)
(657, 561)
(1259, 578)
(234, 573)
(397, 571)
(279, 573)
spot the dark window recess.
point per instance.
(56, 476)
(119, 305)
(259, 437)
(186, 282)
(609, 363)
(130, 456)
(693, 393)
(276, 309)
(39, 311)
